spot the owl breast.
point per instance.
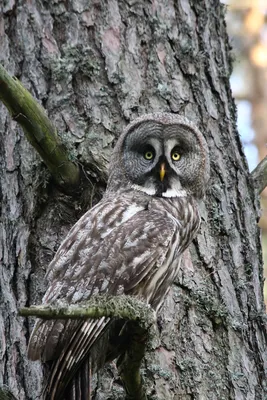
(184, 215)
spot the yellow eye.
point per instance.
(176, 156)
(149, 155)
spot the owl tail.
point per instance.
(65, 377)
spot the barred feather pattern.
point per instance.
(128, 243)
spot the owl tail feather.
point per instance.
(80, 386)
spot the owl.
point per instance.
(130, 243)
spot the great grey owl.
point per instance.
(130, 243)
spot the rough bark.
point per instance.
(94, 65)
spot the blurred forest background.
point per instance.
(247, 28)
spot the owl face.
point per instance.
(162, 160)
(160, 154)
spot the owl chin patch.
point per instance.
(170, 192)
(174, 193)
(162, 187)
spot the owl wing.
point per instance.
(112, 249)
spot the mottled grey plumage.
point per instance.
(131, 242)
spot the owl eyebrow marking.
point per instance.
(156, 144)
(171, 143)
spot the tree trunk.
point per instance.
(95, 65)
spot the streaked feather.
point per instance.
(133, 256)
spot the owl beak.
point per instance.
(162, 171)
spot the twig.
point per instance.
(39, 130)
(124, 307)
(259, 176)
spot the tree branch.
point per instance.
(124, 307)
(259, 176)
(142, 320)
(39, 130)
(129, 364)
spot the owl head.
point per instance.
(162, 155)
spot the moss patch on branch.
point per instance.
(39, 130)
